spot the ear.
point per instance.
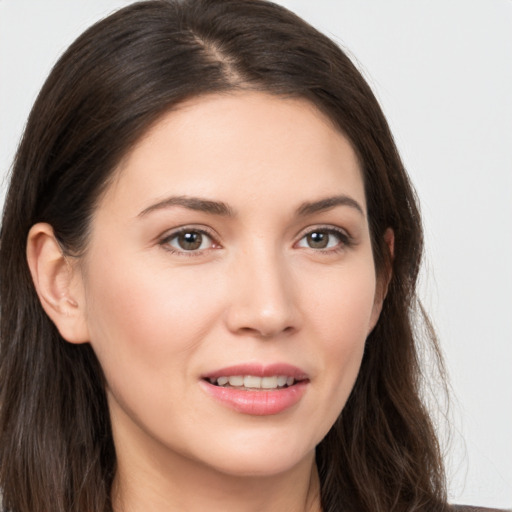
(383, 279)
(58, 283)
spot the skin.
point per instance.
(159, 316)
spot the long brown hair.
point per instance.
(111, 85)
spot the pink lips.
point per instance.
(258, 402)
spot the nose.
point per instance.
(263, 296)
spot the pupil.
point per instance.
(190, 241)
(318, 240)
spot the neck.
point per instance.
(189, 487)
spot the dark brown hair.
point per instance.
(111, 85)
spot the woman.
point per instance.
(218, 306)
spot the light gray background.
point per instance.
(442, 70)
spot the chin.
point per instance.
(263, 465)
(261, 457)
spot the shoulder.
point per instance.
(468, 508)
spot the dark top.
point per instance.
(468, 508)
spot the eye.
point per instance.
(324, 238)
(188, 240)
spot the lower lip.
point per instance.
(257, 403)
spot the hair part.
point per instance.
(112, 84)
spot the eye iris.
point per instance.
(190, 241)
(318, 240)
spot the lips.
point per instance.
(257, 389)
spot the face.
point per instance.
(229, 284)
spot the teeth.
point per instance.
(254, 382)
(269, 382)
(281, 380)
(237, 380)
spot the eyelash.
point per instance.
(165, 242)
(345, 240)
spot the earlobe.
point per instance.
(389, 238)
(58, 283)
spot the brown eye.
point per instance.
(189, 241)
(317, 240)
(324, 239)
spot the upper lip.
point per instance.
(258, 370)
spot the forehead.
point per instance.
(240, 146)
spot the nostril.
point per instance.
(268, 333)
(262, 317)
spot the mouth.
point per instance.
(257, 390)
(254, 382)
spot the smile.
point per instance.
(251, 382)
(257, 390)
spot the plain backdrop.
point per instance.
(442, 70)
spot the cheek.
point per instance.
(145, 318)
(341, 307)
(146, 328)
(341, 316)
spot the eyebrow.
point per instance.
(224, 210)
(192, 203)
(309, 208)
